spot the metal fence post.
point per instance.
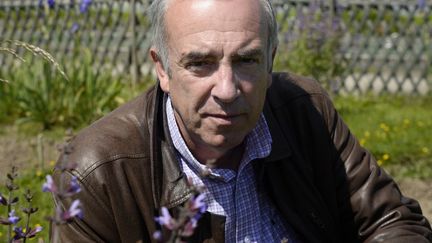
(134, 64)
(331, 82)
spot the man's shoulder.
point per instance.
(292, 86)
(293, 93)
(289, 88)
(119, 135)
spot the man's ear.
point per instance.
(160, 70)
(269, 79)
(273, 55)
(270, 76)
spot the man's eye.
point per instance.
(249, 60)
(197, 64)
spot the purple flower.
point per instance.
(74, 187)
(74, 28)
(197, 207)
(13, 219)
(74, 211)
(421, 4)
(51, 3)
(199, 204)
(3, 200)
(336, 24)
(84, 5)
(189, 228)
(20, 234)
(157, 235)
(301, 19)
(49, 185)
(339, 8)
(189, 216)
(32, 232)
(166, 219)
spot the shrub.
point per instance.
(39, 94)
(311, 45)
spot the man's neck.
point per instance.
(228, 160)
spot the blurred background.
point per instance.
(373, 57)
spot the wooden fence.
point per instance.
(386, 46)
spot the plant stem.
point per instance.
(8, 211)
(57, 213)
(27, 227)
(173, 238)
(55, 225)
(28, 222)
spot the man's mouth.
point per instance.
(225, 119)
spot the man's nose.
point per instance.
(227, 87)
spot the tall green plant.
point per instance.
(8, 111)
(42, 95)
(312, 46)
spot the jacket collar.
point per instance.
(170, 186)
(280, 149)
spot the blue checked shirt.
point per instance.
(250, 217)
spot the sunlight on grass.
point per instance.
(396, 129)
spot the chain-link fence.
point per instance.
(383, 46)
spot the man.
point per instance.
(283, 165)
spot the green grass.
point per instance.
(396, 129)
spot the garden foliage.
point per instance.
(38, 94)
(310, 46)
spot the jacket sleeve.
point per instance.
(96, 215)
(381, 212)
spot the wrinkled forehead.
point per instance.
(191, 16)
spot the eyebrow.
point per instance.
(197, 55)
(249, 52)
(194, 55)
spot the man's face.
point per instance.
(219, 71)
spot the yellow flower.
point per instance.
(52, 163)
(406, 122)
(381, 134)
(362, 141)
(385, 157)
(384, 127)
(1, 234)
(420, 124)
(425, 150)
(367, 134)
(119, 100)
(380, 162)
(38, 173)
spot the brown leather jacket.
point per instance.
(326, 186)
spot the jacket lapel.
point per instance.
(170, 187)
(282, 176)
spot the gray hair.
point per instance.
(159, 35)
